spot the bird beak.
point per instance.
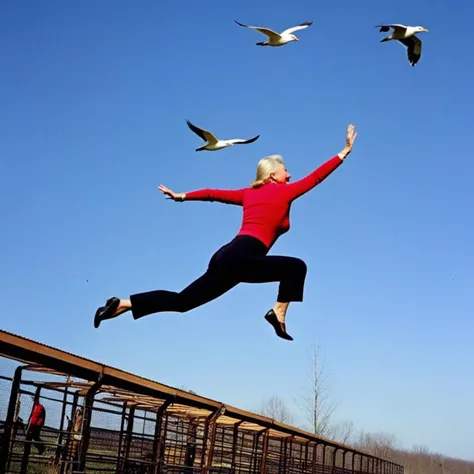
(425, 30)
(296, 39)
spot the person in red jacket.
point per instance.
(266, 208)
(37, 419)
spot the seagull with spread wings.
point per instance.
(278, 39)
(213, 143)
(406, 35)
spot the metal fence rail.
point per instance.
(100, 419)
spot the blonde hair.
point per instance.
(266, 166)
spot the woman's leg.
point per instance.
(203, 290)
(289, 271)
(241, 261)
(206, 288)
(223, 276)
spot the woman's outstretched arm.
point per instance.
(304, 185)
(231, 196)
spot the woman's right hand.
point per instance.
(350, 138)
(170, 194)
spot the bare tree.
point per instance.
(274, 407)
(418, 460)
(421, 449)
(316, 404)
(382, 445)
(341, 431)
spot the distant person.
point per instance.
(36, 423)
(266, 210)
(76, 430)
(191, 444)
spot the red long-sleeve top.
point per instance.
(266, 210)
(38, 415)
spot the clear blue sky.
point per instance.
(94, 97)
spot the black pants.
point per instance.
(34, 435)
(243, 260)
(190, 456)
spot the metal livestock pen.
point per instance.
(100, 419)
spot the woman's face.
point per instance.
(281, 175)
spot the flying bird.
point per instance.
(213, 143)
(406, 35)
(278, 39)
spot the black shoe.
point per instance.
(280, 328)
(107, 311)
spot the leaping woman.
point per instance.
(266, 208)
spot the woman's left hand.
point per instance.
(167, 192)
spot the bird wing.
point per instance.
(204, 134)
(266, 31)
(304, 25)
(413, 45)
(239, 141)
(395, 26)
